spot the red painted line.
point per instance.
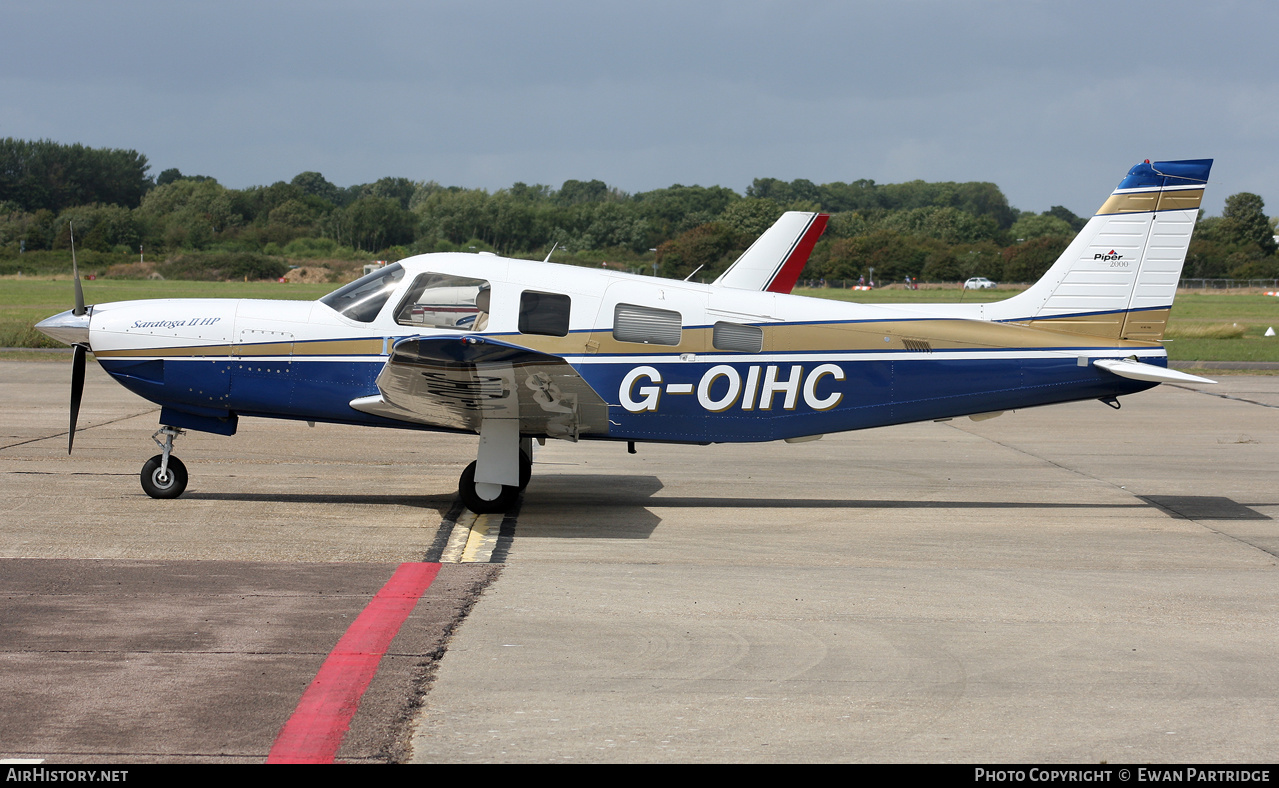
(315, 731)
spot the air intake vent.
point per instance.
(633, 323)
(734, 336)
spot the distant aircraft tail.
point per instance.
(1119, 276)
(773, 263)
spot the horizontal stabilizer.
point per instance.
(1135, 370)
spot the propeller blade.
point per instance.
(75, 274)
(77, 389)
(79, 296)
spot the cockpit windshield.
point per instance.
(363, 299)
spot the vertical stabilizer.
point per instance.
(1119, 276)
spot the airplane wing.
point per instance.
(773, 263)
(457, 382)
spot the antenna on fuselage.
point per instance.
(695, 270)
(548, 254)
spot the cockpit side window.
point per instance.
(363, 299)
(544, 313)
(445, 301)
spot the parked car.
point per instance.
(979, 283)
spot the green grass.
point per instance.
(1246, 348)
(1196, 316)
(1244, 309)
(1223, 328)
(1190, 330)
(1205, 369)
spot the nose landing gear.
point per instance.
(164, 476)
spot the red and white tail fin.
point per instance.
(1119, 276)
(774, 262)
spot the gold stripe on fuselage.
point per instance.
(937, 335)
(198, 351)
(325, 347)
(1145, 326)
(885, 335)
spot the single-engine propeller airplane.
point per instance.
(521, 351)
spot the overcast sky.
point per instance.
(1052, 101)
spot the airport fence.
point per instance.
(918, 284)
(1229, 284)
(1189, 284)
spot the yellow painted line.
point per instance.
(473, 538)
(483, 538)
(452, 553)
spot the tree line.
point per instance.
(929, 231)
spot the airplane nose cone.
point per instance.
(66, 327)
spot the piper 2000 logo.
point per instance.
(722, 387)
(1115, 259)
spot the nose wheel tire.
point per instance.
(169, 485)
(472, 497)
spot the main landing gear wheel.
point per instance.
(472, 494)
(164, 485)
(526, 470)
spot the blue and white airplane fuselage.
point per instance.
(518, 350)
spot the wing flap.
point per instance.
(457, 382)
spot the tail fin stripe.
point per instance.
(1151, 201)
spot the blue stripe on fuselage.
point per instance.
(696, 402)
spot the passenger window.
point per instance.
(735, 336)
(445, 301)
(644, 324)
(363, 299)
(544, 313)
